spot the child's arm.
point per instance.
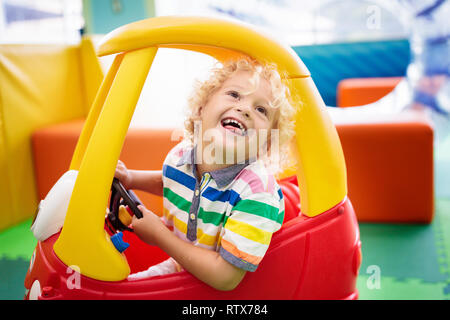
(145, 180)
(206, 265)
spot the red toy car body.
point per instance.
(308, 258)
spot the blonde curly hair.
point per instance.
(281, 99)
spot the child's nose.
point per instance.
(244, 110)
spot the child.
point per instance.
(221, 203)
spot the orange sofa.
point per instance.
(389, 164)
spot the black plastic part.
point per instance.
(129, 197)
(120, 196)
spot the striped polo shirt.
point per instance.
(233, 210)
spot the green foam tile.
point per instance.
(407, 289)
(12, 276)
(17, 242)
(401, 251)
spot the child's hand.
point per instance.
(148, 227)
(123, 175)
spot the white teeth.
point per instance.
(241, 126)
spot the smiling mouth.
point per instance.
(234, 126)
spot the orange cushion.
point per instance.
(390, 169)
(53, 149)
(361, 91)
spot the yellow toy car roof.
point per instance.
(218, 38)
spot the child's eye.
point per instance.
(233, 94)
(261, 110)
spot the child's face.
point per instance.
(238, 115)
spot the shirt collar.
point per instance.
(222, 177)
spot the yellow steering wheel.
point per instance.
(321, 169)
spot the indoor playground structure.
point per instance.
(367, 207)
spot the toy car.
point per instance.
(315, 255)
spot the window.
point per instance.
(43, 21)
(303, 22)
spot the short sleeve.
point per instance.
(176, 153)
(249, 228)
